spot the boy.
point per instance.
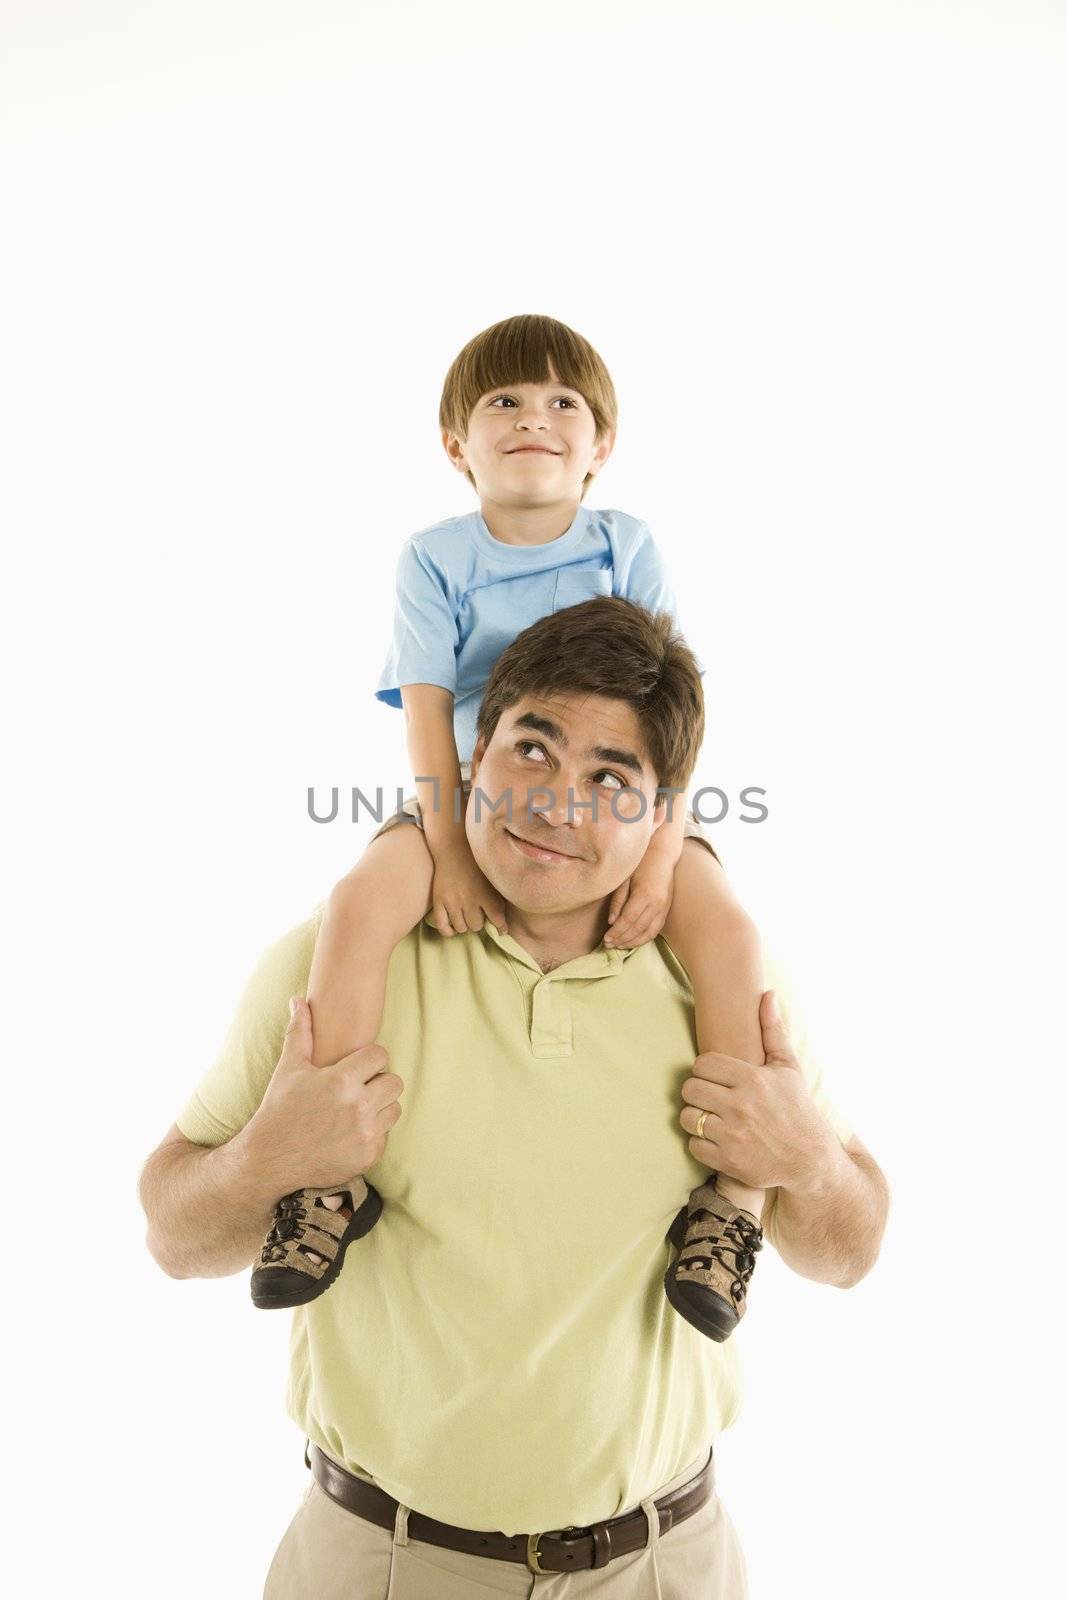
(528, 414)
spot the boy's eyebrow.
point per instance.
(600, 752)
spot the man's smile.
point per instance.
(538, 852)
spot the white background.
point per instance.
(820, 248)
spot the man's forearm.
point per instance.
(208, 1209)
(830, 1227)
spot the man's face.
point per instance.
(530, 444)
(547, 855)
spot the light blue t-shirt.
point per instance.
(463, 596)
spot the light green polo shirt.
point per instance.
(498, 1352)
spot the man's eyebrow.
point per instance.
(601, 752)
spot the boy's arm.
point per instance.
(462, 895)
(435, 760)
(666, 843)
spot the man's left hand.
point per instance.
(762, 1127)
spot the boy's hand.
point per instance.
(639, 906)
(463, 896)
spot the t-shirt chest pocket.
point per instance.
(575, 584)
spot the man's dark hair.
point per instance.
(615, 648)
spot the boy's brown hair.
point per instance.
(527, 349)
(615, 648)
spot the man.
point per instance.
(497, 1357)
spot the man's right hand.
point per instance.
(319, 1126)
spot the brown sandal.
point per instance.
(708, 1281)
(305, 1249)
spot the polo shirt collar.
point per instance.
(599, 963)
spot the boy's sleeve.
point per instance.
(425, 632)
(796, 1028)
(643, 579)
(230, 1092)
(644, 576)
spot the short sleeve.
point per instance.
(230, 1092)
(643, 578)
(796, 1028)
(425, 631)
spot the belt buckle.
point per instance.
(533, 1559)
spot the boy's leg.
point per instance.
(374, 906)
(368, 913)
(719, 947)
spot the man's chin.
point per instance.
(534, 887)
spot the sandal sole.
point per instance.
(702, 1308)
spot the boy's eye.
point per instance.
(510, 399)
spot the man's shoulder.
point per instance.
(285, 964)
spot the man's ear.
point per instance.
(659, 813)
(476, 756)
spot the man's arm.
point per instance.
(208, 1208)
(827, 1202)
(830, 1228)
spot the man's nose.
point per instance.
(557, 805)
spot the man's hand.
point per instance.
(638, 908)
(762, 1128)
(320, 1126)
(463, 896)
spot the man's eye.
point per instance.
(615, 781)
(525, 746)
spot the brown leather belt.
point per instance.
(565, 1551)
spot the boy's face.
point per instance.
(530, 444)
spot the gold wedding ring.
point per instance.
(700, 1125)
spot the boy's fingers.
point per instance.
(627, 925)
(618, 900)
(639, 932)
(441, 922)
(494, 910)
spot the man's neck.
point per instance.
(553, 937)
(528, 525)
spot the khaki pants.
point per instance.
(328, 1553)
